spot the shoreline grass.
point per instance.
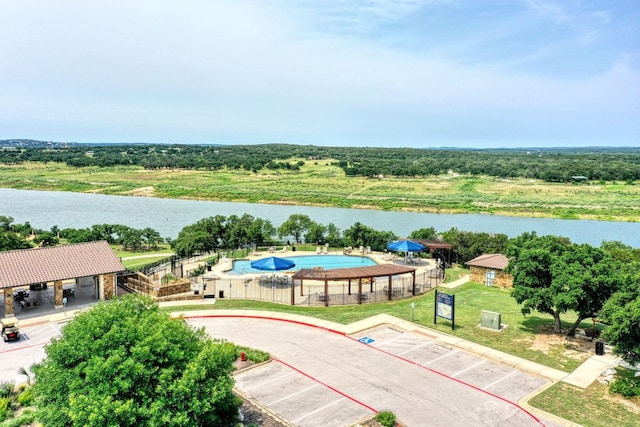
(324, 184)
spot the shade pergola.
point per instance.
(357, 273)
(433, 245)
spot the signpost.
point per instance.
(445, 308)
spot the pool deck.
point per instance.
(222, 269)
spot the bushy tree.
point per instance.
(424, 233)
(533, 284)
(624, 331)
(467, 245)
(553, 276)
(46, 239)
(587, 277)
(361, 235)
(9, 239)
(296, 225)
(125, 363)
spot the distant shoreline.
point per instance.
(324, 185)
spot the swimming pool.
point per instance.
(328, 262)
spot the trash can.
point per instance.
(220, 294)
(600, 348)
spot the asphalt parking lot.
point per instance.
(484, 374)
(25, 352)
(321, 378)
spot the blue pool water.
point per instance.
(327, 262)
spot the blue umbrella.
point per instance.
(405, 246)
(272, 264)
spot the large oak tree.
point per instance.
(551, 275)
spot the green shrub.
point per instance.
(6, 389)
(253, 355)
(25, 398)
(5, 408)
(27, 418)
(386, 418)
(628, 387)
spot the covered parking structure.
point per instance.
(363, 275)
(95, 261)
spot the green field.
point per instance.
(323, 184)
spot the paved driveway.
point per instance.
(322, 378)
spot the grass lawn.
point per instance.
(163, 248)
(591, 407)
(134, 260)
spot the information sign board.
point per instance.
(445, 307)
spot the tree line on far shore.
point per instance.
(547, 164)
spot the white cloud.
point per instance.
(241, 71)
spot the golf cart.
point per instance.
(10, 331)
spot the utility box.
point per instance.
(491, 320)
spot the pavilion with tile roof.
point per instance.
(55, 264)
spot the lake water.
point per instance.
(44, 209)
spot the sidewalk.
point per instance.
(456, 283)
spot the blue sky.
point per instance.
(404, 73)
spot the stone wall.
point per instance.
(503, 279)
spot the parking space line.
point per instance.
(319, 409)
(387, 341)
(56, 330)
(26, 337)
(468, 368)
(414, 348)
(441, 357)
(293, 394)
(327, 385)
(499, 380)
(270, 381)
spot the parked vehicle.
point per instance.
(10, 330)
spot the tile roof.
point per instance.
(351, 273)
(23, 267)
(495, 261)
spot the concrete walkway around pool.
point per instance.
(225, 265)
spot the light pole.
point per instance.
(413, 309)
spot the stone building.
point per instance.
(87, 264)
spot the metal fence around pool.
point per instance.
(278, 288)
